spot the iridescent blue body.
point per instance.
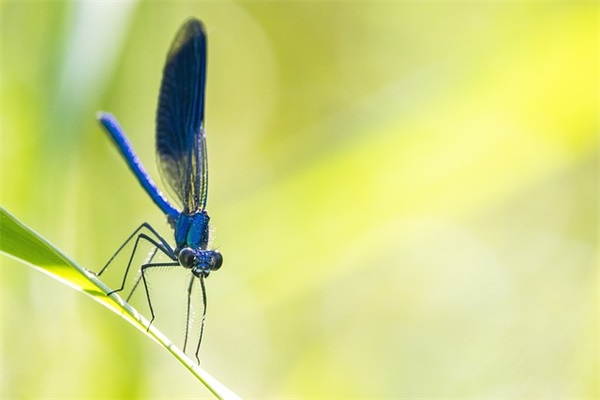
(181, 152)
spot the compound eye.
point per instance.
(187, 257)
(216, 261)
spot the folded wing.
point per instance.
(180, 138)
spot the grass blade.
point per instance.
(20, 242)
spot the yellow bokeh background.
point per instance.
(405, 195)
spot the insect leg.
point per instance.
(159, 245)
(144, 268)
(134, 234)
(203, 317)
(139, 278)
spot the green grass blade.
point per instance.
(22, 243)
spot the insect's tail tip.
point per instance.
(103, 115)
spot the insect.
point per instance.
(181, 153)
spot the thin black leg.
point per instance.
(144, 268)
(188, 311)
(203, 318)
(159, 246)
(139, 278)
(142, 226)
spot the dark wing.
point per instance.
(180, 140)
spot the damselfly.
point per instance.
(181, 151)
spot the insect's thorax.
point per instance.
(191, 230)
(191, 238)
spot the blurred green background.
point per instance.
(405, 194)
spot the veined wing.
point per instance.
(180, 139)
